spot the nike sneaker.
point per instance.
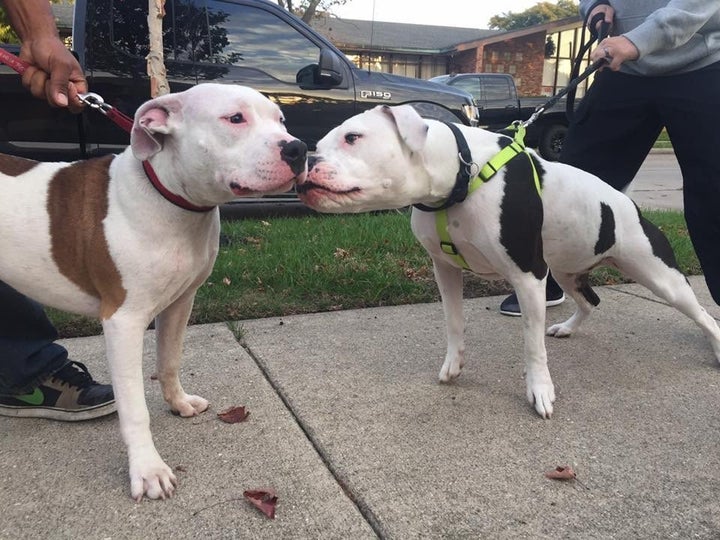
(70, 394)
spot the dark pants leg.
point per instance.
(690, 108)
(28, 352)
(619, 120)
(614, 128)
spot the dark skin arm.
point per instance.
(54, 73)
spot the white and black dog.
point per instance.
(390, 157)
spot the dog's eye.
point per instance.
(350, 138)
(236, 118)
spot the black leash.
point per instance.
(576, 79)
(597, 35)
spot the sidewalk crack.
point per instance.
(365, 511)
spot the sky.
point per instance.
(462, 13)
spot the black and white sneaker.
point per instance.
(70, 394)
(510, 306)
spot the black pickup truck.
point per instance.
(498, 103)
(250, 42)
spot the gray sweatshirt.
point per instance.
(672, 36)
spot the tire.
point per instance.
(551, 141)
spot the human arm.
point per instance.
(54, 73)
(663, 29)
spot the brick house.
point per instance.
(539, 57)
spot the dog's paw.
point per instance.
(188, 405)
(541, 393)
(451, 368)
(151, 477)
(560, 330)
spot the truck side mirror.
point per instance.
(330, 70)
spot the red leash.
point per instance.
(95, 101)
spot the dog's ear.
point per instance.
(152, 125)
(410, 125)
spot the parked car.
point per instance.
(250, 42)
(498, 104)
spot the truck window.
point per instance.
(469, 84)
(262, 41)
(210, 34)
(496, 88)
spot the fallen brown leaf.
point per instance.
(233, 415)
(264, 500)
(561, 473)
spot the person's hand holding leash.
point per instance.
(54, 73)
(615, 50)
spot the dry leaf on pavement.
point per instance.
(561, 473)
(264, 500)
(233, 415)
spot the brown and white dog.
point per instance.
(97, 238)
(389, 157)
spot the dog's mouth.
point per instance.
(242, 191)
(308, 186)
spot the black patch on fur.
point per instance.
(504, 139)
(521, 217)
(658, 241)
(606, 236)
(583, 287)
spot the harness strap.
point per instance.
(497, 162)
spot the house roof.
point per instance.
(399, 37)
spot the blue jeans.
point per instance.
(28, 352)
(616, 125)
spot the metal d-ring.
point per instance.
(472, 168)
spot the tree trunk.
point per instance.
(155, 59)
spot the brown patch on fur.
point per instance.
(15, 166)
(77, 204)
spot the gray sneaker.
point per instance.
(70, 394)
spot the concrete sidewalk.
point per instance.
(350, 426)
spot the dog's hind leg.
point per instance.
(578, 287)
(170, 326)
(672, 286)
(149, 474)
(449, 280)
(540, 390)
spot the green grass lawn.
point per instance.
(285, 266)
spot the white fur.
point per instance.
(163, 253)
(383, 165)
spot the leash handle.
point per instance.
(17, 64)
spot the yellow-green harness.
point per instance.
(497, 162)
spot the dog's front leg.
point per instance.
(170, 328)
(149, 475)
(449, 281)
(539, 386)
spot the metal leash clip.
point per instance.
(94, 101)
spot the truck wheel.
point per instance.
(551, 141)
